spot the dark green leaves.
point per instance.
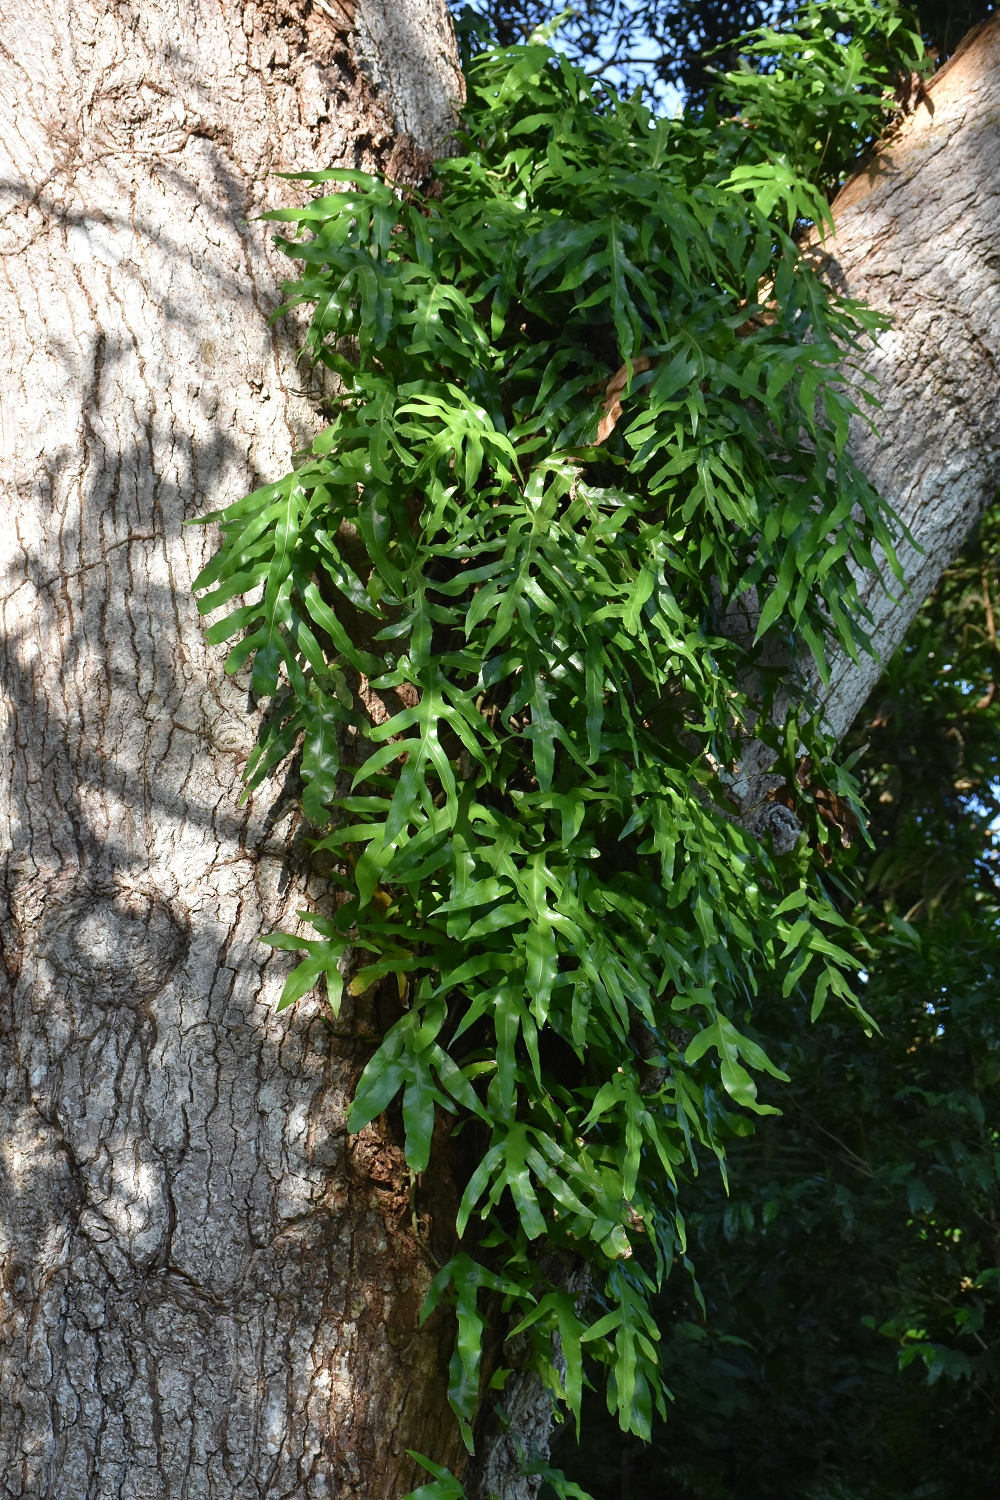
(408, 1059)
(444, 1485)
(589, 407)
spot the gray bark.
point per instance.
(207, 1288)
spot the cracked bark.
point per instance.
(207, 1288)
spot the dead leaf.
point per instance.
(612, 392)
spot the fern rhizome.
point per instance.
(590, 394)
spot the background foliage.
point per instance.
(666, 47)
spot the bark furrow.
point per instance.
(207, 1288)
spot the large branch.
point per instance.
(918, 238)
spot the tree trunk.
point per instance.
(208, 1288)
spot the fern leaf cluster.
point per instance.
(589, 400)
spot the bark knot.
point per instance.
(123, 945)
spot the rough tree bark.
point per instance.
(208, 1290)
